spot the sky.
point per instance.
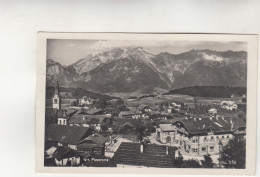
(68, 51)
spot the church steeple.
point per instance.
(56, 100)
(57, 91)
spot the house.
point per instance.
(144, 155)
(127, 128)
(93, 121)
(85, 100)
(213, 111)
(229, 105)
(164, 132)
(93, 144)
(65, 135)
(176, 104)
(129, 114)
(202, 135)
(144, 108)
(65, 156)
(62, 117)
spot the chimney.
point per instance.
(167, 150)
(141, 148)
(232, 123)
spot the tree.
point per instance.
(179, 161)
(233, 154)
(207, 162)
(191, 163)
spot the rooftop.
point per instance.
(96, 138)
(63, 152)
(62, 113)
(153, 155)
(217, 124)
(167, 127)
(66, 134)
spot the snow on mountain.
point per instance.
(132, 69)
(211, 57)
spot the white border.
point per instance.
(251, 104)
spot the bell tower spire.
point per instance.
(56, 100)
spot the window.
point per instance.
(168, 139)
(194, 150)
(55, 100)
(228, 137)
(194, 139)
(64, 122)
(211, 148)
(212, 138)
(223, 138)
(203, 149)
(205, 139)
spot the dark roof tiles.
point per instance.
(66, 134)
(217, 124)
(152, 156)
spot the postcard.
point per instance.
(143, 103)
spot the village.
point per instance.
(85, 135)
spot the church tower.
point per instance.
(56, 100)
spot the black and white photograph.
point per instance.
(137, 88)
(127, 103)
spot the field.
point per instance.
(154, 102)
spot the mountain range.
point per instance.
(137, 70)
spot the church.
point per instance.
(61, 114)
(56, 100)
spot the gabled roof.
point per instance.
(66, 134)
(217, 124)
(62, 113)
(96, 138)
(167, 127)
(153, 155)
(63, 152)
